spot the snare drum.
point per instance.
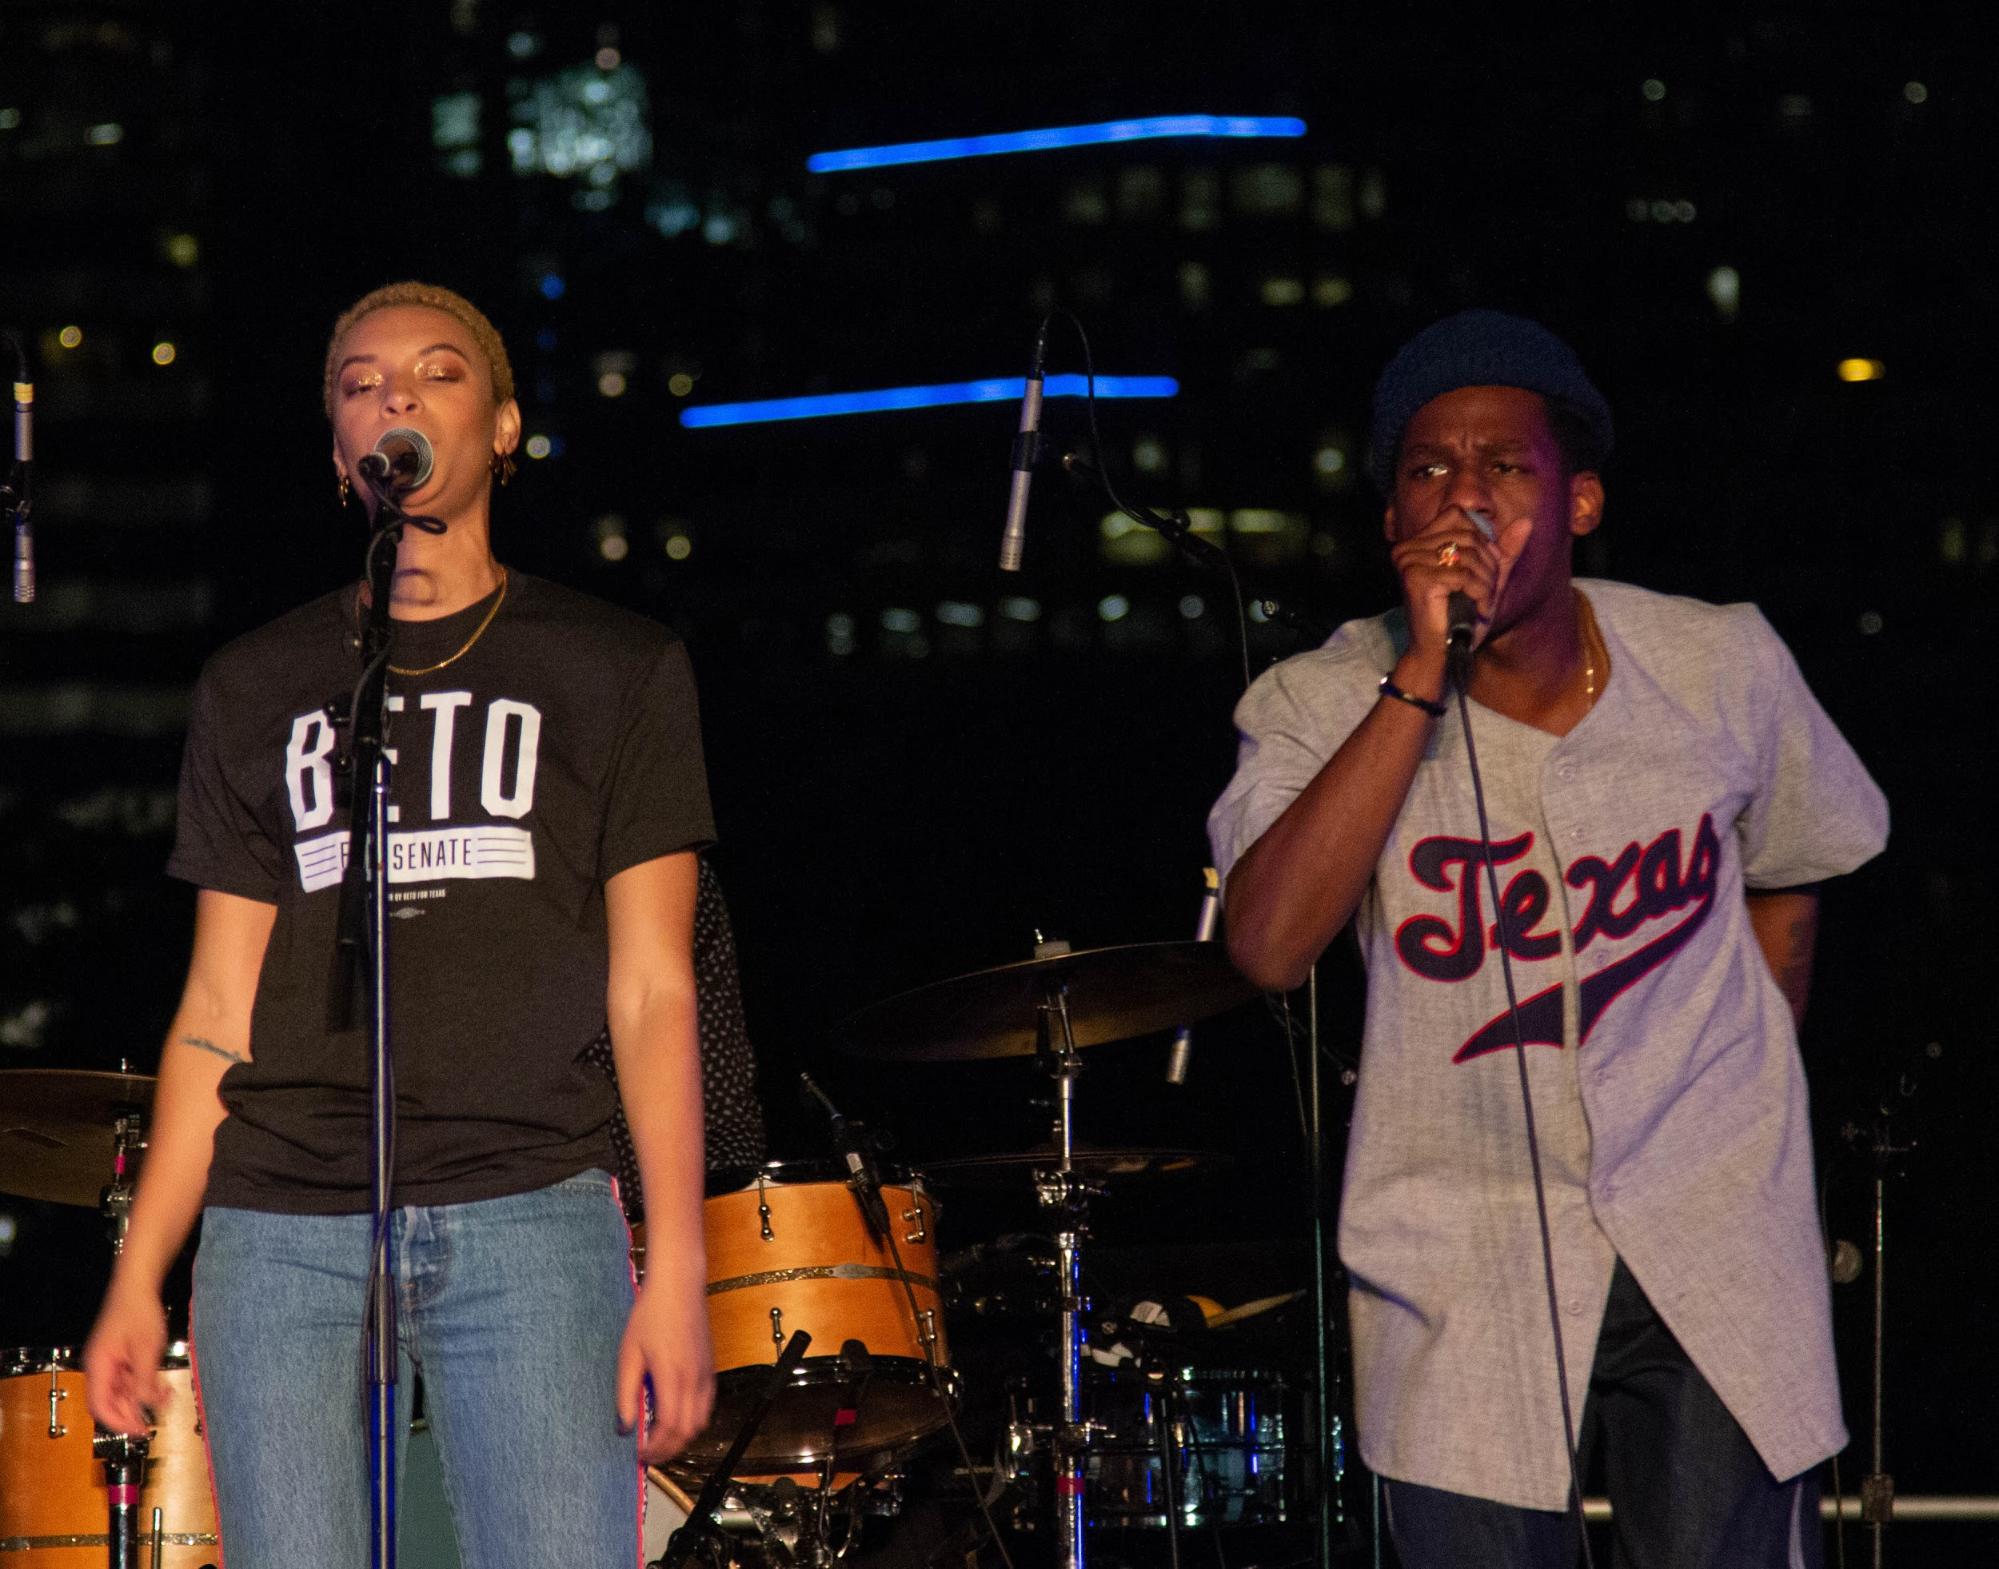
(789, 1249)
(55, 1505)
(1225, 1429)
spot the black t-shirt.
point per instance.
(562, 748)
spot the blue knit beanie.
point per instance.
(1479, 348)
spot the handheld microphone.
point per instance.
(402, 460)
(1460, 613)
(1181, 1053)
(16, 492)
(1026, 449)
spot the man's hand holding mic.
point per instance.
(1460, 558)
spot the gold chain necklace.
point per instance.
(1590, 637)
(466, 647)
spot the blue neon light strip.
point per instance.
(764, 410)
(1237, 125)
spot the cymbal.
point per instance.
(1256, 1309)
(57, 1129)
(1114, 994)
(1092, 1162)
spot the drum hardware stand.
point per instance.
(1066, 1196)
(128, 1141)
(124, 1457)
(700, 1533)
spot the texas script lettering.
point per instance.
(1643, 883)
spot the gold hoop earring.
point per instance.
(346, 491)
(503, 466)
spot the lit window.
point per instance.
(1724, 288)
(1333, 196)
(1267, 190)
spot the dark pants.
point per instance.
(1687, 1489)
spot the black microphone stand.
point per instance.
(363, 929)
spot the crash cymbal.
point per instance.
(1092, 1162)
(57, 1128)
(1114, 994)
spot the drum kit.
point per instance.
(830, 1306)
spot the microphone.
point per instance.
(1026, 448)
(15, 493)
(1460, 613)
(1182, 1050)
(852, 1148)
(402, 460)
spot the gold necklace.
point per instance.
(1590, 636)
(466, 647)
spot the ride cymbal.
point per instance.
(1113, 994)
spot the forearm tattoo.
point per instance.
(207, 1045)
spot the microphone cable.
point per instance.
(1461, 678)
(1175, 526)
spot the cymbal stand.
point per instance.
(128, 1139)
(1066, 1196)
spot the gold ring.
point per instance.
(1447, 554)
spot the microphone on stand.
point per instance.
(1026, 449)
(1182, 1052)
(402, 460)
(851, 1145)
(16, 494)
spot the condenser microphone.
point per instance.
(15, 493)
(402, 460)
(1181, 1055)
(1026, 449)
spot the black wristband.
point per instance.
(1389, 689)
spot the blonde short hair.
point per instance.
(437, 298)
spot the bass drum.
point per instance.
(55, 1505)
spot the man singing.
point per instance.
(1664, 794)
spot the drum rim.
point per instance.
(22, 1361)
(741, 1178)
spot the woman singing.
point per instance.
(549, 803)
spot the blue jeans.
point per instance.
(513, 1309)
(1687, 1489)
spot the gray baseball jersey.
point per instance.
(1669, 1098)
